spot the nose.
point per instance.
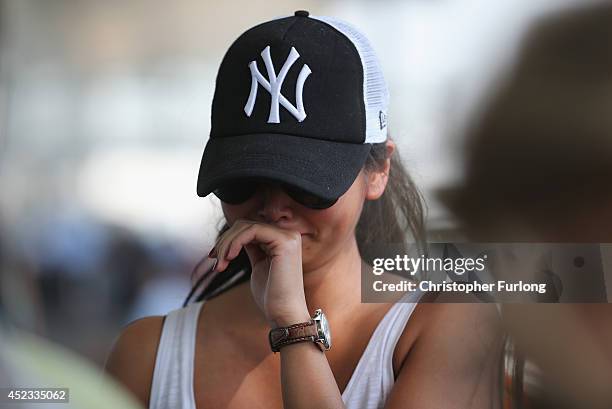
(276, 205)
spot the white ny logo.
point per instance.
(275, 84)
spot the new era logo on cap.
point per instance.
(382, 117)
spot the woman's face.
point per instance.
(324, 232)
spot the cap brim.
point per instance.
(324, 168)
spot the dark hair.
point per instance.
(399, 210)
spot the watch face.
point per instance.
(324, 332)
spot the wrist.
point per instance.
(290, 318)
(294, 329)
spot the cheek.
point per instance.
(235, 212)
(339, 221)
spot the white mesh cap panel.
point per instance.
(375, 93)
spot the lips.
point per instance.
(290, 227)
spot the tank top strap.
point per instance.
(373, 377)
(394, 322)
(172, 385)
(371, 382)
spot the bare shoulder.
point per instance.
(456, 346)
(458, 319)
(460, 313)
(132, 358)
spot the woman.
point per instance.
(306, 188)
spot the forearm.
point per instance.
(307, 380)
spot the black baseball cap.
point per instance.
(298, 100)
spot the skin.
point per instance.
(305, 259)
(293, 249)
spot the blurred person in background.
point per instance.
(66, 280)
(305, 190)
(539, 169)
(30, 361)
(88, 276)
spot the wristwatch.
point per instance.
(316, 330)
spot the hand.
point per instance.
(275, 254)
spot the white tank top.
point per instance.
(368, 388)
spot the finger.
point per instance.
(240, 240)
(272, 240)
(229, 236)
(230, 247)
(224, 240)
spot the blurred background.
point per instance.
(105, 110)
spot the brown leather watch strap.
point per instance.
(304, 331)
